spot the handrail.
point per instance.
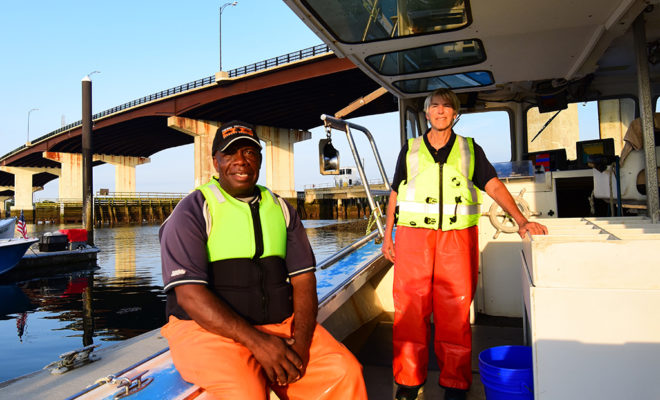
(248, 69)
(339, 124)
(346, 250)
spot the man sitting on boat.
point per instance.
(437, 184)
(241, 291)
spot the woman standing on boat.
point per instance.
(241, 291)
(437, 185)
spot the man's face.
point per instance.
(238, 168)
(440, 113)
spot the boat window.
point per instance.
(360, 21)
(412, 128)
(429, 58)
(491, 130)
(452, 81)
(579, 122)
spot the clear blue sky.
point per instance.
(142, 47)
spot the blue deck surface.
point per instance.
(340, 272)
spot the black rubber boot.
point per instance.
(404, 392)
(455, 394)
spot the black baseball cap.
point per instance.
(232, 132)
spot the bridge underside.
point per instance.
(291, 97)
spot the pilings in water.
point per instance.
(111, 209)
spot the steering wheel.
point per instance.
(502, 221)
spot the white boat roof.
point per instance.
(521, 43)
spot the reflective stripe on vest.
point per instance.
(234, 236)
(418, 196)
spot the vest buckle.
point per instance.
(429, 220)
(431, 200)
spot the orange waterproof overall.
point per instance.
(435, 271)
(227, 369)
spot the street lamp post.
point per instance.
(28, 128)
(222, 7)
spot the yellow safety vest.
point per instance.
(233, 236)
(427, 182)
(247, 266)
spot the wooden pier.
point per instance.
(110, 208)
(124, 208)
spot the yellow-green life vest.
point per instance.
(439, 196)
(232, 232)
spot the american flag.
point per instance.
(21, 227)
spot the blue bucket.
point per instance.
(506, 373)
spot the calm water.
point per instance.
(43, 318)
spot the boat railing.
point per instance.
(345, 126)
(346, 250)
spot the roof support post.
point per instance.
(646, 117)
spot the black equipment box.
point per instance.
(53, 242)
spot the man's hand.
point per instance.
(301, 347)
(305, 308)
(280, 362)
(534, 228)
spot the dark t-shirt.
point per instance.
(483, 169)
(184, 258)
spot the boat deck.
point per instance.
(373, 347)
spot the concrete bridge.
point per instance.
(283, 97)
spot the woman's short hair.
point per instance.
(445, 94)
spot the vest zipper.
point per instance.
(440, 200)
(258, 252)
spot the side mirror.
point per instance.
(328, 158)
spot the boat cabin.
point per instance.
(565, 95)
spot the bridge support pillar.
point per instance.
(70, 182)
(278, 152)
(279, 158)
(23, 187)
(3, 199)
(124, 170)
(203, 132)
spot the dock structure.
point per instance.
(332, 201)
(111, 208)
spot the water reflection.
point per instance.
(43, 318)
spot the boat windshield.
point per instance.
(360, 21)
(429, 58)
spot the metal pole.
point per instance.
(646, 117)
(87, 151)
(220, 31)
(28, 127)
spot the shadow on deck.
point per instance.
(372, 345)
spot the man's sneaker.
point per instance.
(404, 392)
(455, 394)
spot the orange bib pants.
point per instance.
(435, 271)
(227, 369)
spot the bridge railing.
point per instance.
(258, 66)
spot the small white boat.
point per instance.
(7, 227)
(12, 251)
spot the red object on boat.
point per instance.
(75, 235)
